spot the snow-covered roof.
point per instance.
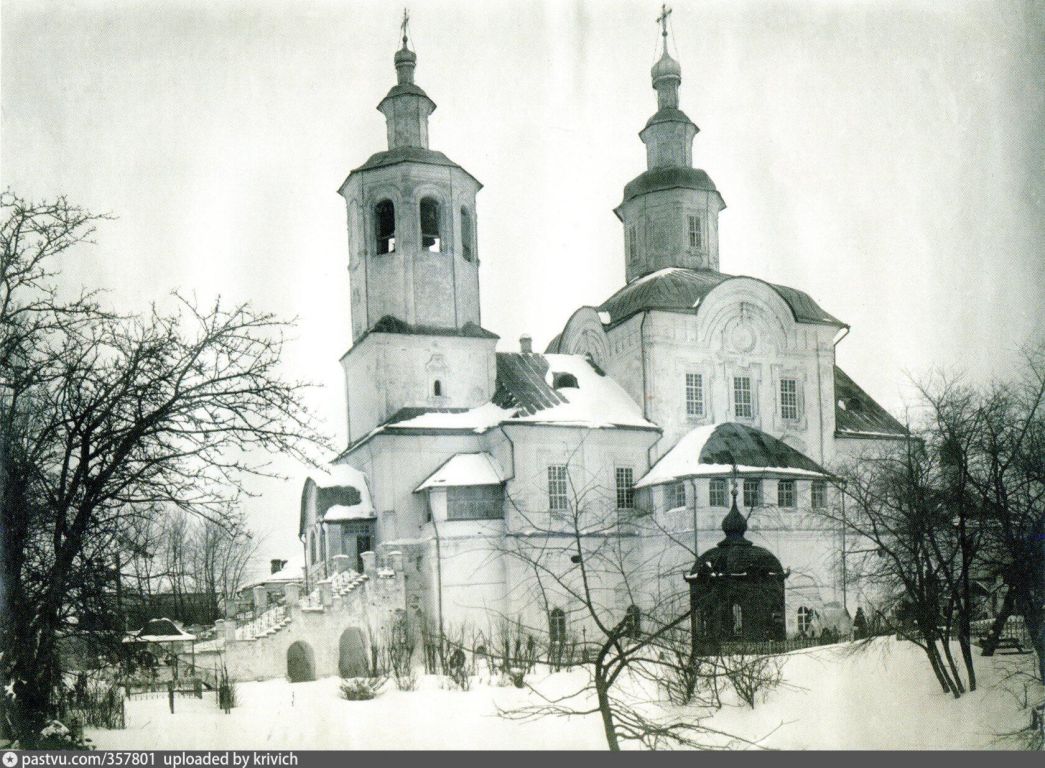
(159, 631)
(465, 469)
(339, 493)
(340, 512)
(719, 449)
(527, 393)
(596, 401)
(292, 570)
(478, 419)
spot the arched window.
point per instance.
(738, 620)
(466, 234)
(805, 620)
(430, 239)
(437, 388)
(633, 621)
(385, 226)
(312, 547)
(557, 625)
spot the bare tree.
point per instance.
(962, 497)
(578, 557)
(105, 418)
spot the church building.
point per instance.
(688, 393)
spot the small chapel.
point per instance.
(689, 404)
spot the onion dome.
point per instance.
(735, 556)
(666, 67)
(405, 61)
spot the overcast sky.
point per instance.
(885, 157)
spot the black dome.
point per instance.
(735, 555)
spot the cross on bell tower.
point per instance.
(413, 270)
(670, 212)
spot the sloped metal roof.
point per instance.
(733, 443)
(672, 177)
(409, 155)
(677, 289)
(857, 413)
(522, 384)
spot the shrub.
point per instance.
(752, 677)
(361, 688)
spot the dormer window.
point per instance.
(467, 246)
(564, 380)
(430, 239)
(385, 226)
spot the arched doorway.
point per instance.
(352, 654)
(301, 663)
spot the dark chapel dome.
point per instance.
(735, 555)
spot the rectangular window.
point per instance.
(819, 494)
(785, 493)
(695, 239)
(742, 404)
(694, 394)
(679, 495)
(633, 244)
(475, 502)
(752, 493)
(558, 488)
(789, 399)
(625, 488)
(717, 493)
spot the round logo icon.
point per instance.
(10, 759)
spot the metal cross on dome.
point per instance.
(405, 25)
(663, 21)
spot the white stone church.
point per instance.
(646, 411)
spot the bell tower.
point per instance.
(413, 266)
(670, 212)
(412, 245)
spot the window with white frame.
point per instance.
(694, 394)
(625, 481)
(695, 235)
(557, 625)
(752, 492)
(738, 620)
(475, 502)
(742, 403)
(717, 492)
(558, 488)
(785, 493)
(678, 494)
(789, 399)
(805, 619)
(818, 492)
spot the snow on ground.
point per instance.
(832, 698)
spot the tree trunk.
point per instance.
(966, 646)
(606, 710)
(953, 666)
(991, 641)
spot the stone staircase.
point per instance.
(268, 623)
(339, 584)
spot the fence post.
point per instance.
(170, 694)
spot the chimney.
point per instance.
(526, 344)
(276, 566)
